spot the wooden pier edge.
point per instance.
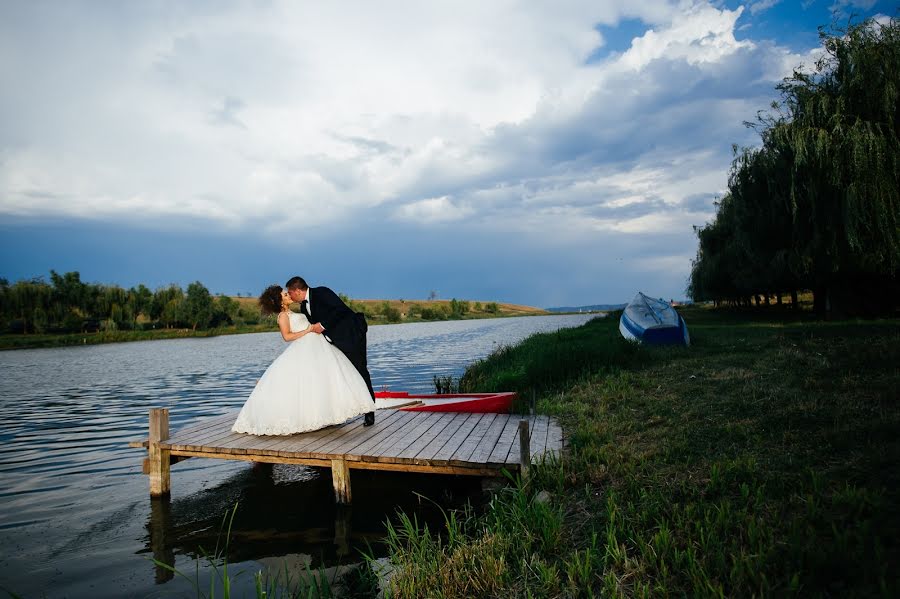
(159, 458)
(217, 441)
(524, 450)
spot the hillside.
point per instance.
(373, 308)
(374, 305)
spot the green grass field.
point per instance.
(764, 460)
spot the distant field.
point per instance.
(374, 305)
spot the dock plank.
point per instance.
(444, 455)
(428, 437)
(539, 437)
(426, 453)
(482, 452)
(201, 438)
(361, 446)
(200, 435)
(465, 450)
(504, 442)
(512, 456)
(413, 427)
(404, 438)
(335, 444)
(554, 437)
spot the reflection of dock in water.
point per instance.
(213, 538)
(475, 444)
(285, 517)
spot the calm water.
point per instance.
(76, 519)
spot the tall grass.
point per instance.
(762, 461)
(547, 362)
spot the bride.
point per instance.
(310, 385)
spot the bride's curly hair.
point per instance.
(270, 300)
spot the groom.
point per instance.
(343, 327)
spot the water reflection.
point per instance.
(286, 516)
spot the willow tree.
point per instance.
(845, 173)
(718, 258)
(818, 205)
(762, 221)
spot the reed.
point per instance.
(761, 461)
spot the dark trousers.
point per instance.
(358, 359)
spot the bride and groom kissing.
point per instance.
(321, 378)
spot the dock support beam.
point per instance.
(158, 458)
(340, 476)
(524, 450)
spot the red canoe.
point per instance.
(500, 403)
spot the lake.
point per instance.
(76, 517)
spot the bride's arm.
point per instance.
(284, 324)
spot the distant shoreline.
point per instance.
(50, 340)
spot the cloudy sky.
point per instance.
(541, 153)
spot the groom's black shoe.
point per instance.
(369, 419)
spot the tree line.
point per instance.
(68, 305)
(454, 310)
(817, 205)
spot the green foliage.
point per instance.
(66, 305)
(458, 308)
(444, 385)
(166, 305)
(198, 306)
(818, 205)
(390, 313)
(350, 303)
(435, 312)
(225, 311)
(491, 307)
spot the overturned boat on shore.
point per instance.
(653, 321)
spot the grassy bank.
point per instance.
(763, 461)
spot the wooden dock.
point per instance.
(477, 444)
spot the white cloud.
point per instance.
(700, 34)
(762, 6)
(305, 115)
(432, 210)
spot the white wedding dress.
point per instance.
(310, 385)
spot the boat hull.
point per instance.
(653, 322)
(500, 403)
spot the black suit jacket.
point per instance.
(345, 328)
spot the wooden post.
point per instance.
(533, 402)
(340, 477)
(524, 449)
(159, 458)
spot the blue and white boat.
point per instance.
(653, 321)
